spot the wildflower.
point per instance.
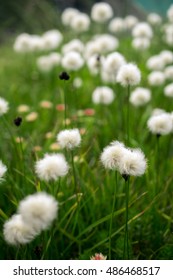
(68, 14)
(31, 117)
(160, 124)
(23, 108)
(170, 14)
(155, 63)
(168, 90)
(130, 21)
(18, 121)
(166, 56)
(112, 154)
(16, 231)
(94, 63)
(72, 61)
(3, 106)
(129, 74)
(103, 95)
(46, 104)
(80, 22)
(77, 82)
(51, 167)
(60, 107)
(154, 19)
(142, 29)
(141, 43)
(156, 78)
(52, 39)
(113, 62)
(140, 96)
(169, 72)
(132, 163)
(3, 170)
(116, 25)
(74, 45)
(38, 210)
(101, 12)
(69, 138)
(98, 256)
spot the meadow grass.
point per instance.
(86, 196)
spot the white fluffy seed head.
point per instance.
(166, 56)
(112, 154)
(169, 72)
(68, 14)
(154, 19)
(69, 138)
(52, 39)
(168, 90)
(113, 62)
(170, 14)
(103, 95)
(133, 163)
(155, 63)
(160, 124)
(101, 12)
(38, 210)
(156, 78)
(3, 106)
(129, 74)
(130, 21)
(51, 167)
(142, 29)
(72, 61)
(73, 45)
(116, 25)
(141, 43)
(3, 170)
(140, 96)
(16, 231)
(80, 22)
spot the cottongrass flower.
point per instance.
(51, 167)
(116, 25)
(68, 14)
(140, 96)
(170, 14)
(16, 231)
(160, 124)
(38, 210)
(4, 107)
(77, 82)
(133, 163)
(98, 256)
(103, 95)
(168, 90)
(3, 170)
(166, 56)
(142, 30)
(101, 12)
(69, 138)
(130, 21)
(72, 61)
(154, 19)
(113, 62)
(94, 63)
(155, 62)
(169, 72)
(52, 39)
(141, 43)
(156, 78)
(80, 22)
(73, 45)
(129, 75)
(112, 155)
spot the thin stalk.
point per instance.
(74, 173)
(112, 215)
(126, 237)
(157, 164)
(65, 108)
(128, 116)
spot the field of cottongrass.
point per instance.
(86, 151)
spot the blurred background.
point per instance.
(39, 15)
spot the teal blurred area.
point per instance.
(157, 6)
